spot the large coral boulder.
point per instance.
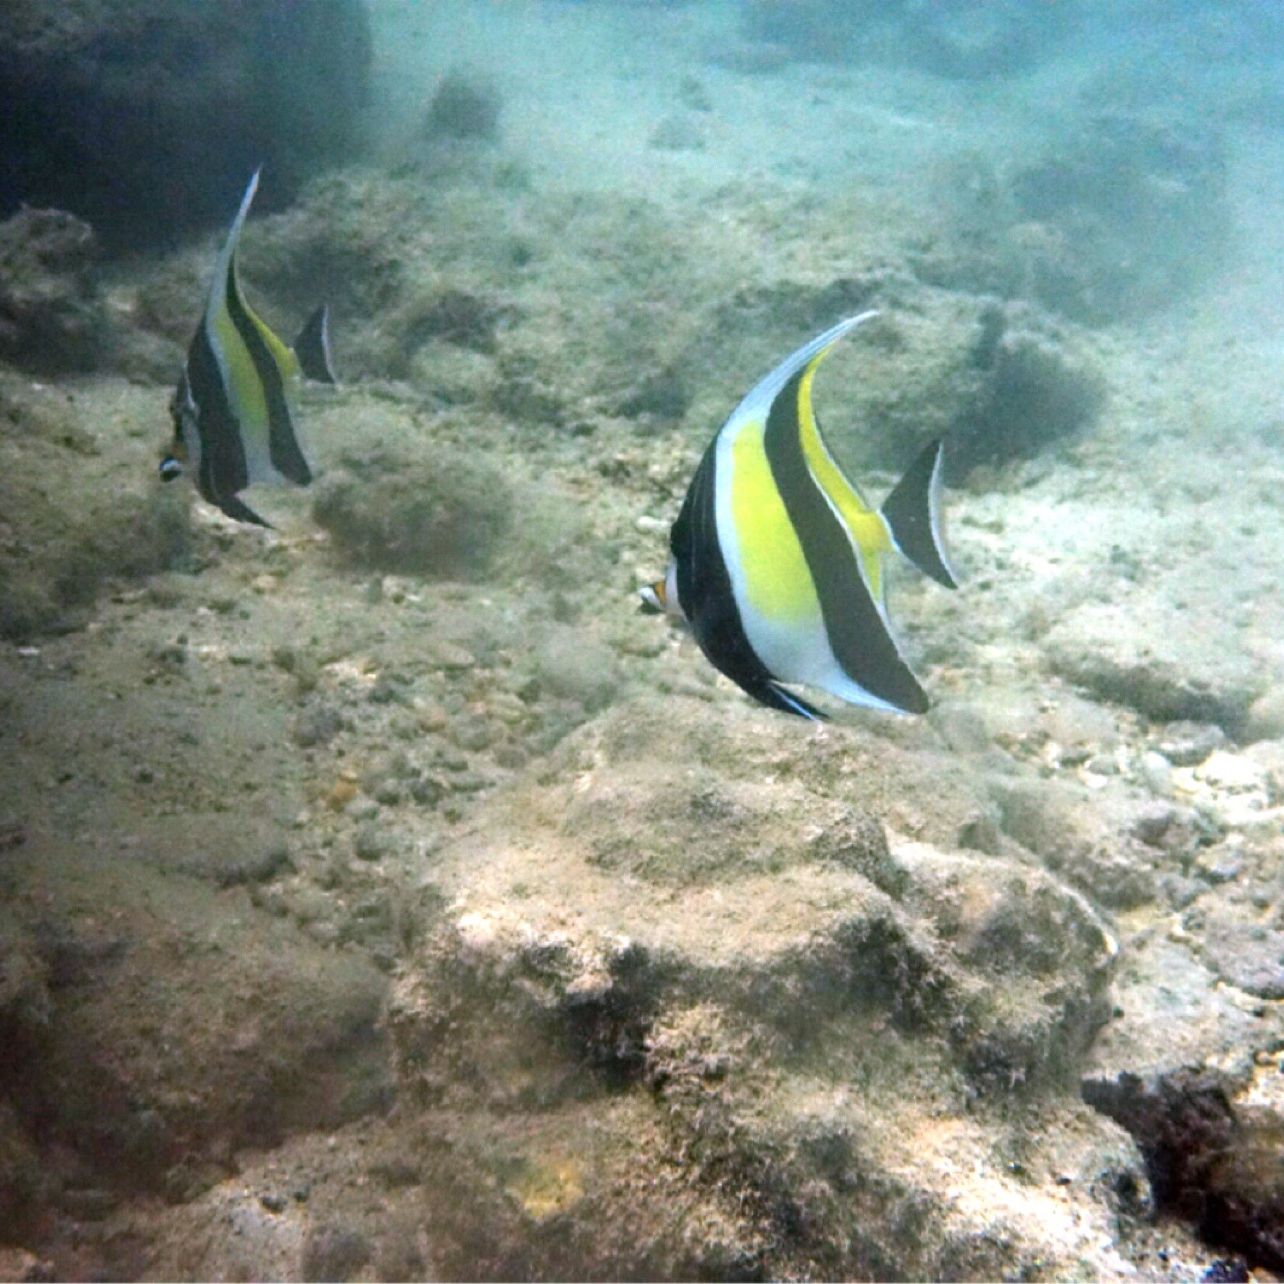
(636, 967)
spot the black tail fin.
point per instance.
(312, 347)
(912, 513)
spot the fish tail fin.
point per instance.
(913, 516)
(312, 347)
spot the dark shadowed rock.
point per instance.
(116, 1073)
(145, 116)
(465, 105)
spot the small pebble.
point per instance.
(369, 843)
(1153, 821)
(317, 725)
(451, 657)
(343, 792)
(1186, 743)
(427, 791)
(1157, 773)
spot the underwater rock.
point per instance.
(1124, 221)
(79, 502)
(1138, 209)
(52, 318)
(678, 133)
(24, 995)
(643, 960)
(1069, 830)
(1190, 1064)
(165, 1048)
(972, 40)
(1212, 1147)
(333, 1252)
(438, 502)
(1242, 949)
(444, 515)
(959, 39)
(569, 665)
(1158, 660)
(1266, 715)
(108, 101)
(1031, 396)
(18, 1264)
(465, 105)
(661, 396)
(822, 31)
(999, 381)
(454, 316)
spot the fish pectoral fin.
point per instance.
(312, 347)
(913, 516)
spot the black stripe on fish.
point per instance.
(283, 446)
(704, 590)
(857, 634)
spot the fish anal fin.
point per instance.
(912, 513)
(242, 512)
(774, 696)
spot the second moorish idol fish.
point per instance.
(234, 406)
(777, 562)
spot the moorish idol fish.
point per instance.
(233, 408)
(777, 561)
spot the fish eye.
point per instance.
(169, 468)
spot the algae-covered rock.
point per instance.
(1212, 1145)
(998, 382)
(444, 516)
(79, 502)
(51, 315)
(412, 494)
(729, 950)
(1033, 394)
(465, 105)
(1070, 832)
